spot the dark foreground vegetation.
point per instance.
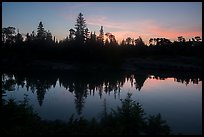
(18, 118)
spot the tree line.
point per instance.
(81, 44)
(81, 35)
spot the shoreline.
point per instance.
(180, 63)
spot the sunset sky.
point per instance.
(123, 19)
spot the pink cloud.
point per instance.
(152, 29)
(145, 28)
(102, 21)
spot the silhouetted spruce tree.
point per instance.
(40, 95)
(40, 31)
(101, 37)
(33, 35)
(94, 37)
(19, 38)
(80, 95)
(87, 34)
(139, 80)
(80, 29)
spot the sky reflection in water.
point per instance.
(178, 103)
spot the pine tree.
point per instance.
(49, 36)
(19, 37)
(80, 29)
(40, 31)
(32, 35)
(100, 38)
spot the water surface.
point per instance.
(177, 96)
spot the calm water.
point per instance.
(178, 97)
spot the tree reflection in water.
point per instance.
(82, 84)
